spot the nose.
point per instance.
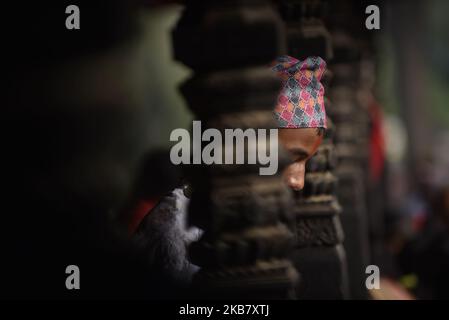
(294, 176)
(296, 182)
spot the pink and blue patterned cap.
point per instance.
(300, 103)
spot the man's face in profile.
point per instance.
(301, 144)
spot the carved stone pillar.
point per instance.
(376, 178)
(245, 216)
(319, 255)
(351, 139)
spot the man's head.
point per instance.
(300, 113)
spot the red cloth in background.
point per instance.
(377, 142)
(140, 211)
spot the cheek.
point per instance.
(294, 175)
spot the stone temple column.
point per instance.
(245, 216)
(319, 255)
(351, 138)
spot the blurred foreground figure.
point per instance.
(76, 128)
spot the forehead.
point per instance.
(303, 138)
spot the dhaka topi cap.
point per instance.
(300, 103)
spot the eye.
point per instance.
(298, 154)
(300, 158)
